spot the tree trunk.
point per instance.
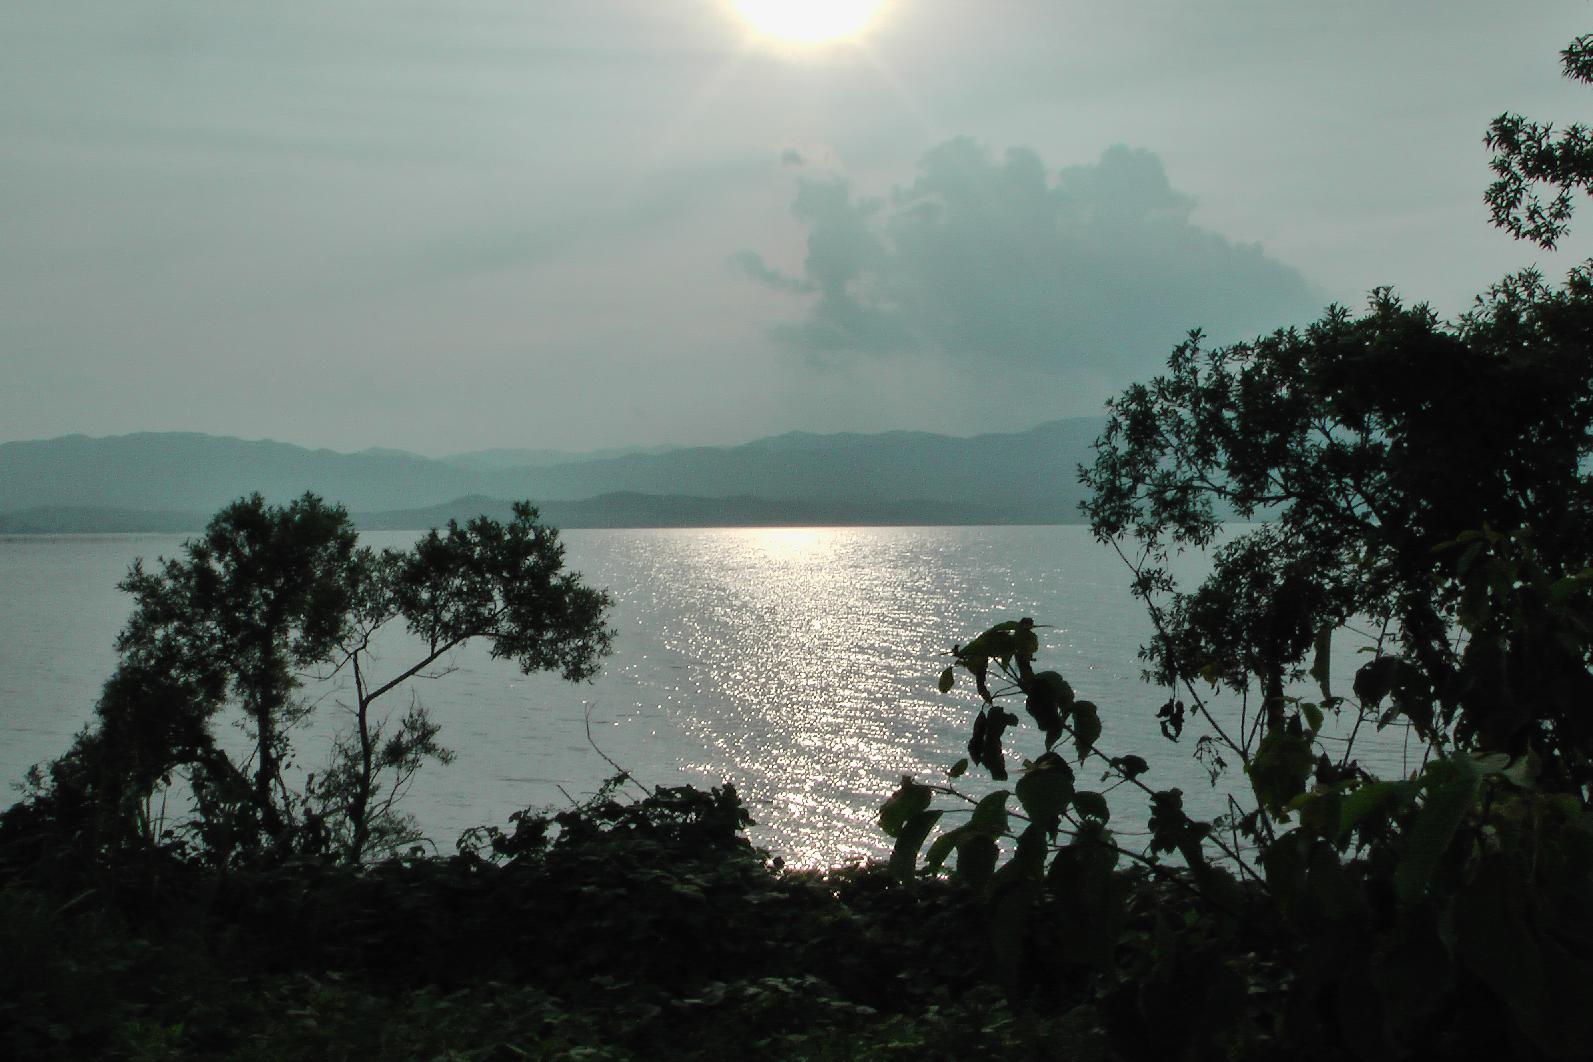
(360, 811)
(1272, 691)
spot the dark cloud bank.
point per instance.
(986, 264)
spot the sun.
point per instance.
(809, 21)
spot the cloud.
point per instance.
(987, 262)
(752, 264)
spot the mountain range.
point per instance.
(172, 481)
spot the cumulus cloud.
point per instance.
(986, 261)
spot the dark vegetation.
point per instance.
(1426, 490)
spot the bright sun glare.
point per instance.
(809, 21)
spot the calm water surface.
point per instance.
(797, 663)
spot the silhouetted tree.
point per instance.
(1370, 444)
(269, 593)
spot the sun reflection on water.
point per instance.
(811, 653)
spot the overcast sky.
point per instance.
(443, 225)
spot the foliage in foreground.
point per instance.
(643, 930)
(1446, 913)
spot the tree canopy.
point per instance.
(1370, 443)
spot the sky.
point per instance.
(447, 225)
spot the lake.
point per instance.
(799, 664)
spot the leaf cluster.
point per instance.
(1533, 160)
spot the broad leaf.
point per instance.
(942, 847)
(1313, 716)
(1280, 767)
(1376, 679)
(1048, 703)
(990, 815)
(1372, 798)
(1091, 804)
(903, 804)
(1173, 830)
(1321, 650)
(1086, 727)
(984, 747)
(1044, 792)
(1446, 806)
(904, 856)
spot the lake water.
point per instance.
(799, 664)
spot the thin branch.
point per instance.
(629, 777)
(1161, 631)
(411, 672)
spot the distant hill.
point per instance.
(501, 459)
(993, 469)
(154, 481)
(186, 472)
